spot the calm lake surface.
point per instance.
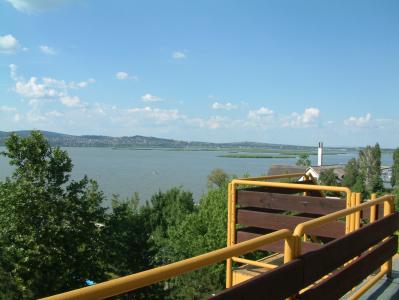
(148, 171)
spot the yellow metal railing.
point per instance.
(132, 282)
(261, 181)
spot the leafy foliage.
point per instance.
(303, 160)
(370, 168)
(218, 178)
(363, 175)
(199, 232)
(128, 246)
(395, 169)
(351, 173)
(48, 236)
(328, 177)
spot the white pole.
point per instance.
(320, 155)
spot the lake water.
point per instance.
(148, 171)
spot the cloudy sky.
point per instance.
(294, 72)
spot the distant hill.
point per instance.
(137, 141)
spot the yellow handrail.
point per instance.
(132, 282)
(271, 177)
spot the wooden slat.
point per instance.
(279, 283)
(351, 275)
(305, 204)
(277, 247)
(267, 220)
(365, 214)
(339, 251)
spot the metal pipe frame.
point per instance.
(254, 263)
(271, 177)
(132, 282)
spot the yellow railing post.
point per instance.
(352, 216)
(373, 209)
(229, 262)
(389, 208)
(348, 219)
(357, 214)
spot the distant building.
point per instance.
(285, 169)
(386, 174)
(315, 171)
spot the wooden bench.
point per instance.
(328, 272)
(262, 210)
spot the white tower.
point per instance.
(320, 154)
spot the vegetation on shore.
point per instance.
(254, 156)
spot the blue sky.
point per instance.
(294, 72)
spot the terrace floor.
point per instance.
(386, 289)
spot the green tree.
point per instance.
(201, 231)
(395, 169)
(128, 247)
(328, 177)
(370, 168)
(395, 192)
(218, 178)
(49, 240)
(303, 160)
(351, 173)
(165, 209)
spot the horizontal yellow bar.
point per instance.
(292, 185)
(138, 280)
(254, 263)
(274, 176)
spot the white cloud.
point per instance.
(32, 89)
(125, 75)
(157, 114)
(9, 44)
(260, 113)
(7, 109)
(150, 98)
(47, 50)
(37, 91)
(306, 119)
(122, 75)
(34, 6)
(35, 116)
(224, 106)
(13, 71)
(17, 117)
(70, 101)
(179, 55)
(80, 85)
(54, 113)
(358, 121)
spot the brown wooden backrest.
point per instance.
(263, 210)
(308, 268)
